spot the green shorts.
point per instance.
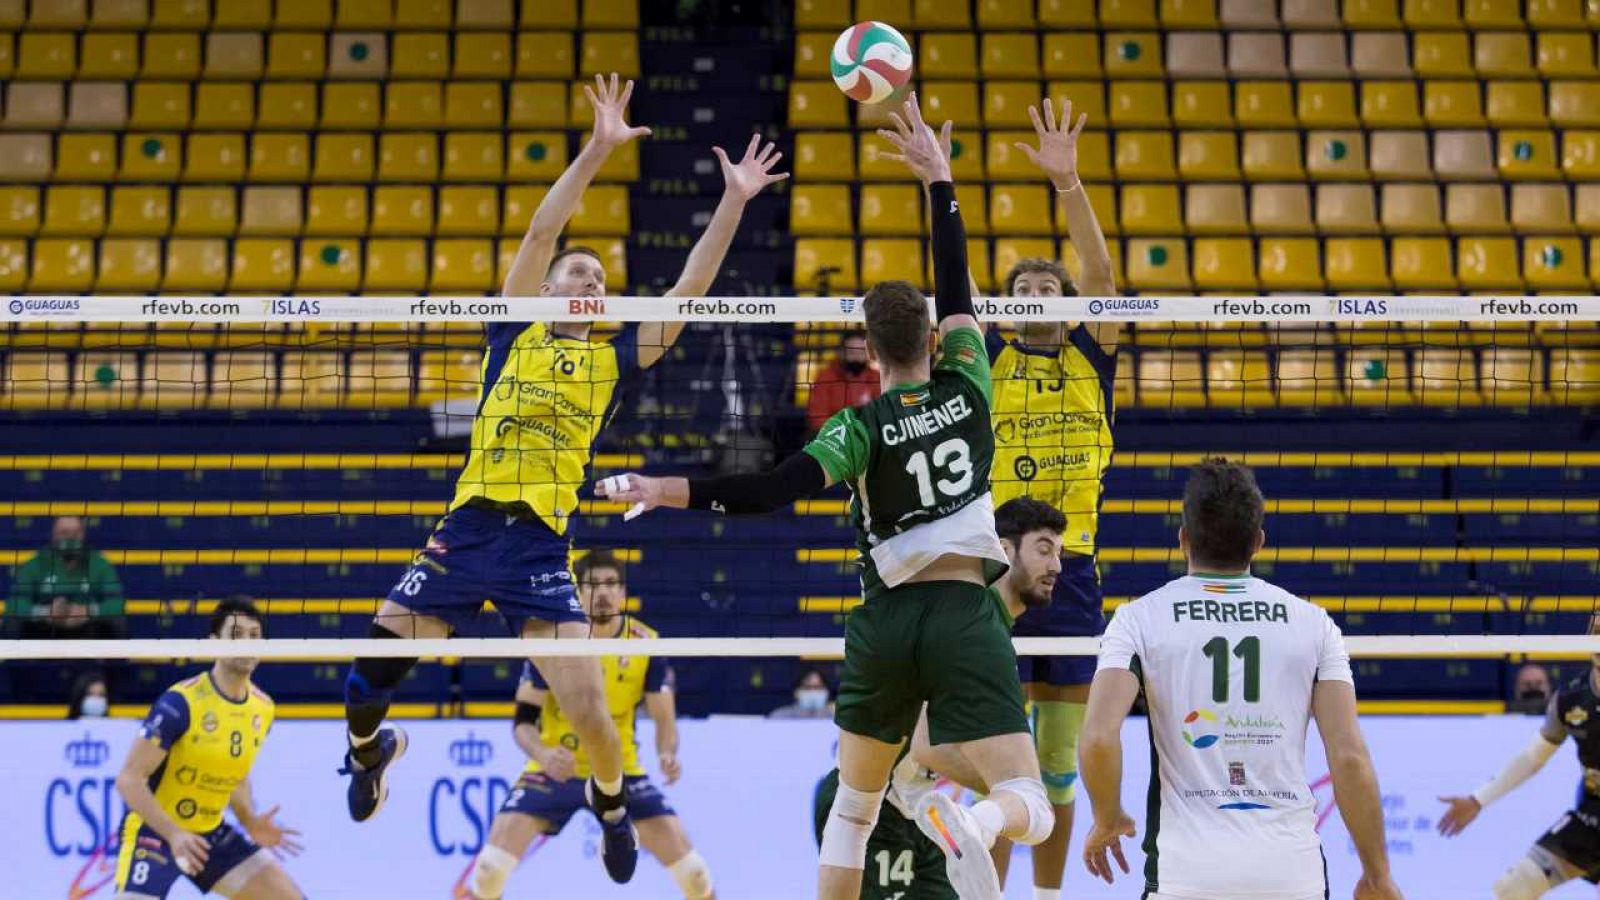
(945, 643)
(902, 864)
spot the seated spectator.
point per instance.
(90, 698)
(811, 696)
(850, 380)
(1532, 691)
(67, 590)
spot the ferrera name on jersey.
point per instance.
(1225, 611)
(926, 422)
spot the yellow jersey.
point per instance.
(543, 401)
(627, 680)
(211, 743)
(1052, 425)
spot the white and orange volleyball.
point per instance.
(871, 61)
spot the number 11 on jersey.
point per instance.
(1249, 650)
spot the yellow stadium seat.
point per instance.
(603, 211)
(1214, 209)
(270, 212)
(158, 105)
(1195, 54)
(824, 156)
(1151, 209)
(820, 13)
(1102, 200)
(140, 212)
(1288, 264)
(1372, 13)
(1071, 55)
(1007, 251)
(287, 106)
(19, 211)
(966, 156)
(343, 157)
(395, 265)
(149, 157)
(225, 106)
(1425, 14)
(422, 55)
(1554, 14)
(279, 157)
(262, 264)
(336, 210)
(176, 15)
(1487, 263)
(1566, 54)
(538, 104)
(1157, 264)
(408, 157)
(292, 55)
(1256, 54)
(206, 212)
(492, 15)
(1133, 54)
(97, 106)
(1057, 14)
(61, 265)
(825, 265)
(1575, 104)
(1327, 104)
(35, 105)
(1305, 14)
(1575, 376)
(940, 55)
(79, 157)
(329, 265)
(1380, 54)
(309, 380)
(197, 264)
(1001, 14)
(473, 156)
(214, 157)
(1463, 156)
(820, 209)
(1443, 54)
(402, 210)
(1587, 205)
(1527, 154)
(46, 55)
(1336, 155)
(1145, 156)
(171, 55)
(1208, 155)
(1421, 263)
(1476, 209)
(1447, 378)
(549, 54)
(1516, 103)
(874, 167)
(1238, 379)
(1356, 263)
(813, 49)
(1201, 104)
(488, 55)
(1010, 55)
(1346, 209)
(1541, 209)
(1139, 104)
(1016, 209)
(1580, 154)
(1280, 208)
(1170, 378)
(413, 104)
(1088, 99)
(247, 379)
(107, 380)
(462, 265)
(448, 373)
(474, 211)
(974, 208)
(363, 14)
(119, 14)
(889, 210)
(1390, 104)
(1189, 13)
(13, 266)
(357, 55)
(350, 105)
(377, 378)
(1452, 104)
(1263, 104)
(1128, 13)
(612, 13)
(885, 259)
(308, 14)
(953, 100)
(1502, 55)
(1512, 377)
(72, 211)
(1412, 209)
(1553, 263)
(108, 55)
(1224, 264)
(234, 55)
(818, 104)
(1272, 156)
(129, 265)
(979, 264)
(431, 14)
(1005, 103)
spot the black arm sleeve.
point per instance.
(795, 478)
(952, 294)
(527, 714)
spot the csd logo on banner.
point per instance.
(462, 803)
(81, 805)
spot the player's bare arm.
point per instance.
(1057, 157)
(663, 709)
(133, 783)
(1461, 811)
(741, 181)
(263, 828)
(556, 762)
(611, 130)
(1111, 698)
(1355, 785)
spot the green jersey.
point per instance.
(917, 462)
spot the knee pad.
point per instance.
(1525, 880)
(375, 679)
(1041, 818)
(490, 871)
(692, 875)
(1056, 725)
(850, 822)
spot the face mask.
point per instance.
(811, 698)
(69, 546)
(855, 368)
(94, 706)
(1531, 693)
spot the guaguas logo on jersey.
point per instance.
(1197, 727)
(1576, 716)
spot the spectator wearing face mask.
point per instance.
(850, 380)
(811, 696)
(1531, 693)
(90, 699)
(67, 590)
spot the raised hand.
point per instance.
(644, 493)
(1057, 153)
(750, 175)
(925, 153)
(610, 104)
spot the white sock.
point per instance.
(1040, 893)
(610, 788)
(991, 819)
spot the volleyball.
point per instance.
(871, 61)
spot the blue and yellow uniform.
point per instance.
(627, 679)
(544, 401)
(211, 743)
(1052, 419)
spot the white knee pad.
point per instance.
(850, 822)
(490, 871)
(1041, 817)
(1525, 880)
(692, 875)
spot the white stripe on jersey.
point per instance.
(1228, 664)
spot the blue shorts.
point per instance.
(146, 868)
(1076, 609)
(537, 794)
(473, 555)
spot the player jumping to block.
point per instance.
(550, 790)
(191, 760)
(547, 390)
(1230, 814)
(1571, 848)
(917, 462)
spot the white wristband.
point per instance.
(1075, 186)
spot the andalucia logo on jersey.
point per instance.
(1198, 728)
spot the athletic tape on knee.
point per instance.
(1525, 880)
(490, 871)
(1056, 725)
(1041, 818)
(850, 822)
(692, 875)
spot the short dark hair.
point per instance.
(574, 250)
(897, 322)
(1022, 516)
(1030, 264)
(598, 559)
(236, 605)
(1222, 513)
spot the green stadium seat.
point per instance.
(1527, 155)
(1157, 264)
(358, 55)
(1336, 155)
(1132, 54)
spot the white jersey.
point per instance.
(1227, 665)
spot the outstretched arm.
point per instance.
(927, 155)
(611, 131)
(742, 181)
(1462, 810)
(795, 478)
